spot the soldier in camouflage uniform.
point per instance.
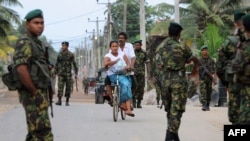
(85, 84)
(241, 67)
(225, 55)
(206, 81)
(173, 57)
(52, 74)
(63, 67)
(141, 60)
(35, 80)
(157, 81)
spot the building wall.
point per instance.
(246, 2)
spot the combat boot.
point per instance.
(134, 103)
(59, 102)
(204, 107)
(171, 136)
(207, 106)
(67, 101)
(139, 104)
(177, 137)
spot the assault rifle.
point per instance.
(204, 68)
(76, 84)
(51, 90)
(158, 82)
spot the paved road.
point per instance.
(94, 122)
(85, 121)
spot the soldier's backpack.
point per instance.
(11, 78)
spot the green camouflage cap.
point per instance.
(176, 25)
(65, 43)
(238, 15)
(138, 41)
(34, 14)
(204, 47)
(246, 21)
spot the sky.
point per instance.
(67, 20)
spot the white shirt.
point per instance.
(129, 51)
(113, 58)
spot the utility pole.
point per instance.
(177, 11)
(109, 25)
(93, 51)
(85, 58)
(124, 15)
(97, 41)
(142, 24)
(81, 57)
(143, 31)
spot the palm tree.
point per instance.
(8, 17)
(212, 11)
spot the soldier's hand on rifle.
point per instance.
(75, 76)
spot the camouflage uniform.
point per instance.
(241, 65)
(158, 75)
(191, 91)
(225, 55)
(52, 74)
(36, 107)
(206, 82)
(141, 60)
(85, 84)
(63, 68)
(173, 56)
(223, 64)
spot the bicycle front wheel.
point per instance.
(115, 104)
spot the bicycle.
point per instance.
(116, 100)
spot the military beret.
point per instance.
(246, 20)
(238, 15)
(138, 41)
(204, 47)
(65, 43)
(174, 24)
(34, 14)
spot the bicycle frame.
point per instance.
(116, 100)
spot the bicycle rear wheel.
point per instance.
(115, 104)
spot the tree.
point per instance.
(215, 12)
(132, 25)
(212, 38)
(133, 16)
(8, 16)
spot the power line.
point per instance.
(74, 17)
